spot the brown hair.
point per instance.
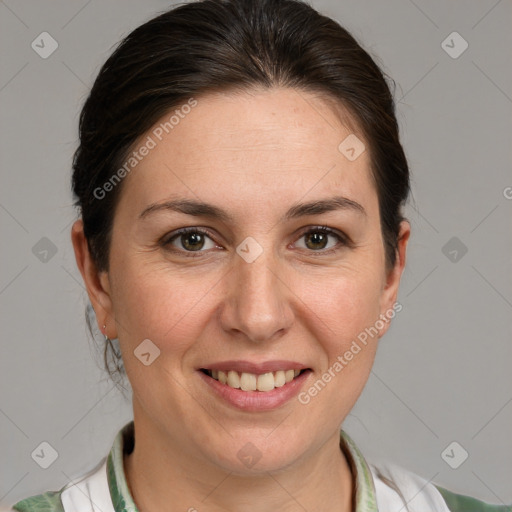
(210, 45)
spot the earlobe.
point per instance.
(96, 283)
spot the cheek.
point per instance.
(343, 315)
(345, 300)
(153, 302)
(343, 311)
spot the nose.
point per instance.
(257, 304)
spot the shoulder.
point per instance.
(91, 487)
(46, 502)
(396, 486)
(460, 502)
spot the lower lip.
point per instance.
(256, 400)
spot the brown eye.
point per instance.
(192, 241)
(317, 239)
(188, 240)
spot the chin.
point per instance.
(246, 455)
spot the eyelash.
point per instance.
(343, 239)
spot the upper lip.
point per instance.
(256, 368)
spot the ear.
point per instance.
(390, 290)
(96, 283)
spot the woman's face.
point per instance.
(262, 285)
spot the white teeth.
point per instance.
(251, 382)
(279, 379)
(248, 381)
(233, 379)
(266, 382)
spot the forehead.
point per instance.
(250, 148)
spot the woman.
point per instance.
(240, 181)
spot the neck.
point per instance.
(159, 473)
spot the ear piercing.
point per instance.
(104, 329)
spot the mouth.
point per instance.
(263, 382)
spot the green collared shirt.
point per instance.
(378, 488)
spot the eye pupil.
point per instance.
(197, 239)
(317, 238)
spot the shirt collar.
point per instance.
(123, 501)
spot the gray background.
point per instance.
(442, 372)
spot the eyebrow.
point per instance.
(200, 209)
